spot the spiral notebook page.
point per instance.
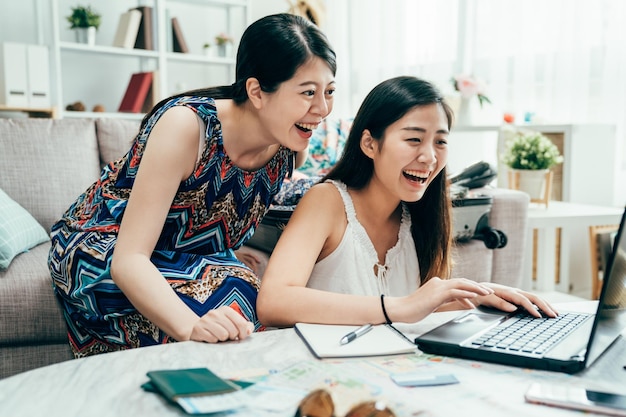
(323, 341)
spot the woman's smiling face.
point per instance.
(413, 152)
(300, 104)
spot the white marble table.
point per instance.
(109, 384)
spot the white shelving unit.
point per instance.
(101, 72)
(582, 146)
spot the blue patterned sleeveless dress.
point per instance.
(213, 213)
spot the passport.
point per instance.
(177, 383)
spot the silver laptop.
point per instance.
(569, 343)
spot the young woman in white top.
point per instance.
(372, 242)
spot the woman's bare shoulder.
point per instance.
(324, 194)
(323, 203)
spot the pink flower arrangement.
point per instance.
(469, 87)
(223, 39)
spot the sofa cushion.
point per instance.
(115, 137)
(509, 214)
(29, 311)
(326, 146)
(45, 164)
(19, 231)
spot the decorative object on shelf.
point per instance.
(224, 43)
(313, 10)
(537, 183)
(98, 108)
(529, 155)
(85, 22)
(206, 48)
(468, 87)
(508, 117)
(76, 106)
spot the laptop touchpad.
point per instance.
(464, 326)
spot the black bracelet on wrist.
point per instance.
(382, 304)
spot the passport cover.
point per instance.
(175, 383)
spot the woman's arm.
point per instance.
(169, 158)
(315, 229)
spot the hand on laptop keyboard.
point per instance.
(522, 310)
(510, 299)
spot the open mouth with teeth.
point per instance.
(306, 127)
(415, 176)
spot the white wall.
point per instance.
(260, 8)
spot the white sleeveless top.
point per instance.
(350, 268)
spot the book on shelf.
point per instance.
(323, 340)
(127, 29)
(178, 40)
(145, 33)
(137, 93)
(154, 94)
(168, 34)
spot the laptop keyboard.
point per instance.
(529, 334)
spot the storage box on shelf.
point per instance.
(24, 77)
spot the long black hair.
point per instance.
(271, 50)
(431, 218)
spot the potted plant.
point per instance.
(223, 41)
(206, 47)
(84, 21)
(468, 88)
(530, 155)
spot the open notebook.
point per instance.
(323, 341)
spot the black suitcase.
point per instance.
(470, 220)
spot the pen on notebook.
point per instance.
(357, 333)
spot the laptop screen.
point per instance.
(611, 317)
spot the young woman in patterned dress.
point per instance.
(147, 254)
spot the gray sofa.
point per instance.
(45, 164)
